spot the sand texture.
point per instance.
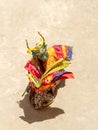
(71, 22)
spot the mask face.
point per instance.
(40, 51)
(44, 56)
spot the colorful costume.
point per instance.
(45, 70)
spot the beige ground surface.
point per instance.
(73, 22)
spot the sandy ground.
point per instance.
(72, 22)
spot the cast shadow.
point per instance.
(60, 85)
(31, 115)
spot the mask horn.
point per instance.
(43, 39)
(28, 50)
(27, 44)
